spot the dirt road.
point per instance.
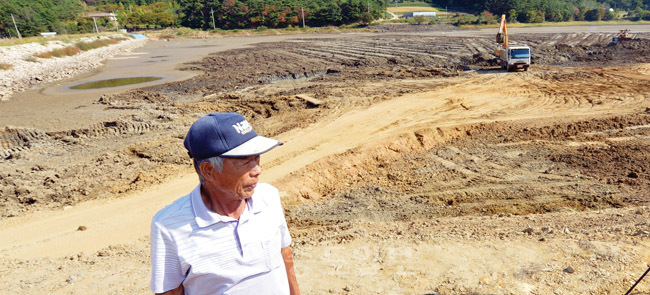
(407, 168)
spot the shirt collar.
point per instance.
(205, 217)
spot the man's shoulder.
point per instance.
(266, 189)
(178, 211)
(266, 194)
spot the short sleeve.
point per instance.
(166, 271)
(285, 237)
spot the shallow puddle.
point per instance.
(114, 82)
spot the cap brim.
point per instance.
(255, 146)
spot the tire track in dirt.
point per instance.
(13, 140)
(324, 139)
(470, 99)
(384, 187)
(567, 90)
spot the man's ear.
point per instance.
(206, 170)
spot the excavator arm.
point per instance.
(502, 35)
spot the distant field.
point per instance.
(404, 9)
(418, 4)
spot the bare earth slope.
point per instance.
(401, 173)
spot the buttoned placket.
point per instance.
(242, 232)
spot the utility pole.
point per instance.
(95, 20)
(13, 19)
(368, 6)
(214, 25)
(302, 12)
(117, 23)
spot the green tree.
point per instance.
(351, 11)
(579, 13)
(325, 13)
(593, 15)
(67, 9)
(194, 13)
(366, 18)
(512, 16)
(530, 16)
(486, 17)
(609, 15)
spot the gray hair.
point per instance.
(216, 162)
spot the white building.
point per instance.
(419, 13)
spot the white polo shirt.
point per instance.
(213, 254)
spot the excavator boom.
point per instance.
(502, 35)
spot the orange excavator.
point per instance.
(512, 57)
(622, 35)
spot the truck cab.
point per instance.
(515, 57)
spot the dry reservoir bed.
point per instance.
(402, 172)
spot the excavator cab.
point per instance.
(622, 35)
(500, 38)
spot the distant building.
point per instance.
(419, 13)
(111, 16)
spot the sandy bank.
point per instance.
(28, 71)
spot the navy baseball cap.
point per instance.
(227, 135)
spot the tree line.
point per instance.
(231, 14)
(35, 16)
(537, 11)
(67, 16)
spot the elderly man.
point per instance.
(229, 235)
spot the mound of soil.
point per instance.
(338, 72)
(536, 180)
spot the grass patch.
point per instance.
(85, 46)
(30, 59)
(399, 10)
(79, 47)
(411, 4)
(5, 67)
(404, 7)
(61, 52)
(187, 32)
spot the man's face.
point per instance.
(239, 175)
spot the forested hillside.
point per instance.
(69, 16)
(536, 11)
(36, 16)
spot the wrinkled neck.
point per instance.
(223, 202)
